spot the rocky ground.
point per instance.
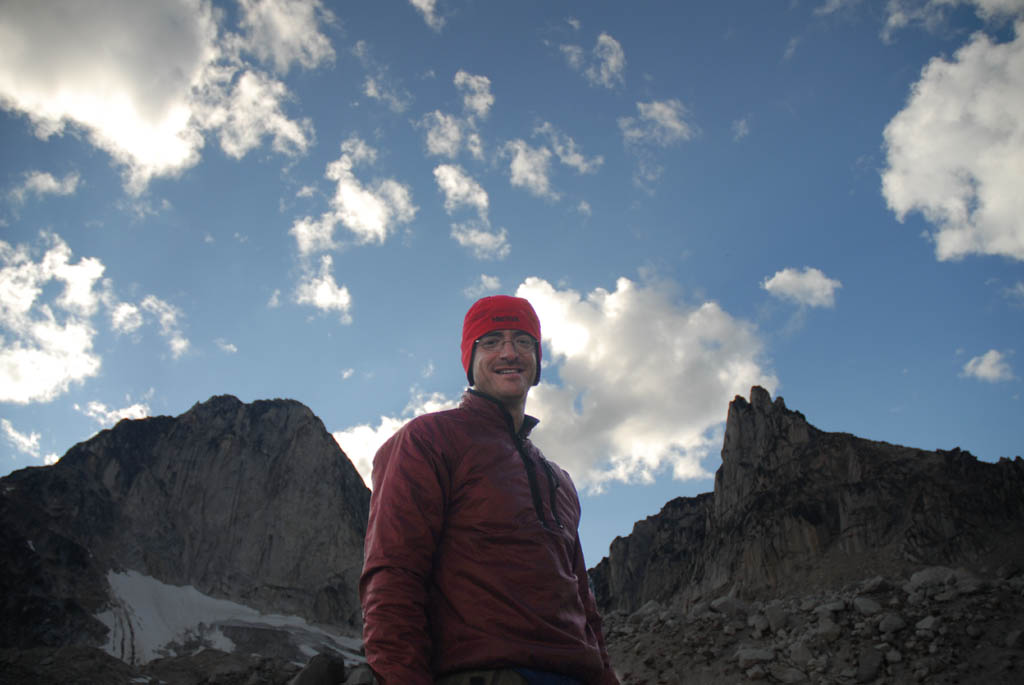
(938, 626)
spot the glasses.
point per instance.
(522, 342)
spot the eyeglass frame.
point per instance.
(492, 342)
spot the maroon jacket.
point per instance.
(473, 558)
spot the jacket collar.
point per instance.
(490, 407)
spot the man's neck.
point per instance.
(517, 410)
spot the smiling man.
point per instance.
(473, 571)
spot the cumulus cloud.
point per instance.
(460, 190)
(286, 31)
(172, 77)
(225, 346)
(992, 367)
(125, 317)
(41, 183)
(167, 316)
(428, 8)
(27, 444)
(486, 284)
(740, 129)
(529, 167)
(605, 66)
(481, 240)
(360, 443)
(46, 346)
(476, 92)
(931, 14)
(644, 380)
(107, 416)
(955, 151)
(566, 150)
(378, 84)
(444, 134)
(319, 289)
(253, 111)
(808, 287)
(661, 123)
(370, 211)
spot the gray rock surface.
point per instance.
(797, 508)
(254, 503)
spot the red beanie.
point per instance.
(496, 313)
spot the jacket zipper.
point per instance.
(531, 470)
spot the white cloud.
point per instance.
(931, 14)
(1016, 291)
(286, 32)
(790, 49)
(476, 91)
(45, 346)
(41, 183)
(606, 67)
(460, 189)
(347, 373)
(275, 299)
(321, 291)
(378, 84)
(444, 134)
(529, 167)
(660, 123)
(486, 284)
(574, 55)
(28, 444)
(831, 6)
(483, 242)
(644, 379)
(808, 287)
(225, 346)
(584, 208)
(567, 152)
(375, 87)
(428, 8)
(252, 112)
(955, 152)
(167, 316)
(740, 129)
(166, 78)
(360, 443)
(105, 416)
(125, 318)
(370, 212)
(991, 366)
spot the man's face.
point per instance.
(507, 371)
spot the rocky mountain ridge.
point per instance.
(796, 509)
(823, 558)
(819, 557)
(249, 503)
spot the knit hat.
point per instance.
(496, 313)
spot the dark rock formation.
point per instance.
(937, 626)
(823, 558)
(796, 509)
(255, 503)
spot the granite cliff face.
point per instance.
(823, 558)
(796, 508)
(253, 503)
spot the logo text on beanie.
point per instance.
(504, 318)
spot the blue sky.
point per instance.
(290, 198)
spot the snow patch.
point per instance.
(149, 619)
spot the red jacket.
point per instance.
(470, 565)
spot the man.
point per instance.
(473, 572)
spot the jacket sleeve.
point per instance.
(608, 676)
(405, 524)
